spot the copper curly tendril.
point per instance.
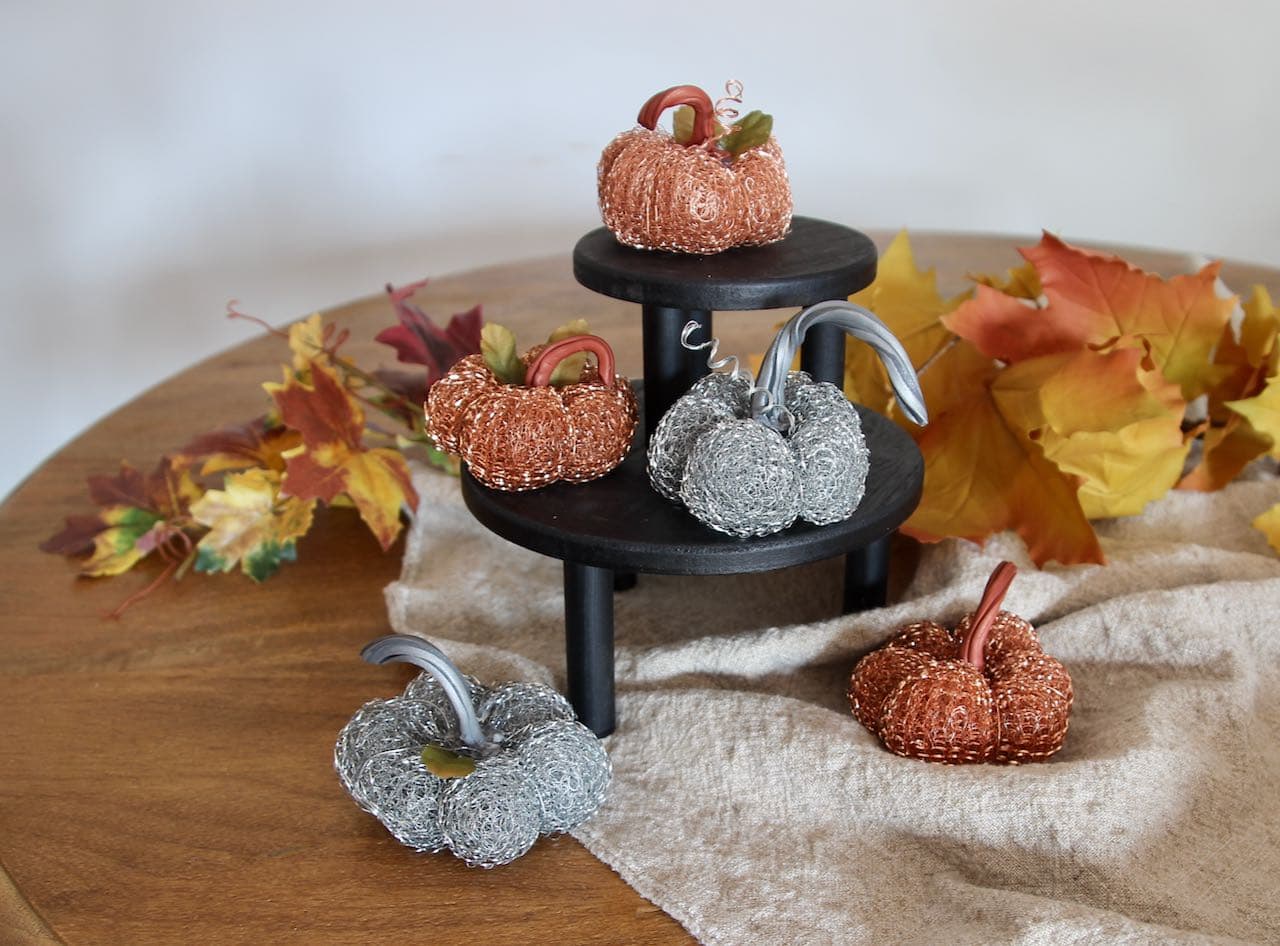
(725, 108)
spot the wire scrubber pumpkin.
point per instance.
(517, 437)
(452, 764)
(983, 692)
(694, 196)
(749, 458)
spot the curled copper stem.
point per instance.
(540, 371)
(704, 115)
(973, 647)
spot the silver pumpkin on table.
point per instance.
(537, 770)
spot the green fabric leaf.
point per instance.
(752, 131)
(682, 124)
(116, 548)
(498, 345)
(445, 764)
(569, 330)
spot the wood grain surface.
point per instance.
(166, 777)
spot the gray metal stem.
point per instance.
(769, 408)
(404, 648)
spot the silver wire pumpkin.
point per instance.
(537, 770)
(750, 458)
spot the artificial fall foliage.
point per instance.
(243, 496)
(1059, 393)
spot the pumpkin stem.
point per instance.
(540, 371)
(767, 399)
(974, 645)
(405, 648)
(704, 113)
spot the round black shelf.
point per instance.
(816, 261)
(610, 529)
(619, 522)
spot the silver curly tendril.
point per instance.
(756, 394)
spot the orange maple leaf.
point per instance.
(334, 459)
(984, 475)
(1096, 300)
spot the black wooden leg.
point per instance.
(866, 577)
(588, 633)
(669, 368)
(822, 354)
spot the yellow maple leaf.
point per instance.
(1269, 524)
(1105, 418)
(307, 339)
(250, 523)
(984, 475)
(257, 443)
(907, 300)
(1241, 368)
(1263, 413)
(1021, 282)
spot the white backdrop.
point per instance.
(160, 158)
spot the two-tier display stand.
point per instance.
(618, 526)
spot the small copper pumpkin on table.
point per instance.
(704, 188)
(983, 692)
(522, 422)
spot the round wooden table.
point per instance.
(166, 777)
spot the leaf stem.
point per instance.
(137, 596)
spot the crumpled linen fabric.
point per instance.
(750, 805)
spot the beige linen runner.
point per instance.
(750, 805)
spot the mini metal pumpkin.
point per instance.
(704, 189)
(453, 764)
(983, 692)
(517, 437)
(750, 458)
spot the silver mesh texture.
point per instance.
(541, 772)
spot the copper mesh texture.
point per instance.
(449, 398)
(1033, 703)
(658, 194)
(519, 438)
(515, 438)
(923, 701)
(943, 713)
(879, 672)
(603, 420)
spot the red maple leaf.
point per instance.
(259, 442)
(419, 341)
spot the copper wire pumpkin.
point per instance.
(519, 437)
(984, 692)
(661, 194)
